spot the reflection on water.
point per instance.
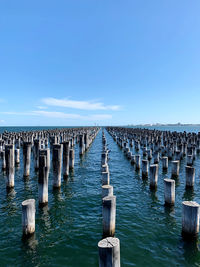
(153, 194)
(189, 194)
(191, 250)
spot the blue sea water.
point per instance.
(68, 230)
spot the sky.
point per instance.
(108, 62)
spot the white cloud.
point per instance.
(55, 114)
(42, 107)
(2, 121)
(16, 113)
(61, 115)
(84, 105)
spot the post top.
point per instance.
(108, 242)
(109, 198)
(153, 165)
(107, 186)
(28, 201)
(169, 180)
(190, 203)
(189, 167)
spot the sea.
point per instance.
(70, 227)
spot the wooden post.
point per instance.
(27, 158)
(3, 161)
(66, 159)
(189, 160)
(17, 156)
(165, 163)
(175, 168)
(36, 153)
(103, 158)
(109, 252)
(145, 168)
(28, 216)
(57, 165)
(137, 162)
(190, 219)
(190, 176)
(109, 214)
(156, 157)
(71, 159)
(105, 168)
(169, 186)
(10, 165)
(81, 145)
(153, 175)
(105, 178)
(46, 152)
(43, 180)
(107, 190)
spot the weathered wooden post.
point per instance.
(17, 156)
(109, 252)
(169, 186)
(46, 152)
(190, 176)
(27, 158)
(43, 180)
(104, 158)
(105, 168)
(145, 168)
(10, 165)
(190, 219)
(137, 162)
(149, 154)
(36, 153)
(107, 190)
(189, 160)
(3, 161)
(66, 159)
(28, 217)
(153, 175)
(86, 141)
(109, 214)
(57, 165)
(165, 163)
(175, 168)
(133, 159)
(105, 178)
(81, 145)
(71, 159)
(156, 157)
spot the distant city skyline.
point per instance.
(71, 63)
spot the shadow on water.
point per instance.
(144, 182)
(27, 183)
(57, 194)
(191, 250)
(164, 171)
(153, 195)
(169, 212)
(137, 174)
(189, 194)
(44, 217)
(29, 250)
(72, 174)
(177, 181)
(10, 194)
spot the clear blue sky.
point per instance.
(113, 62)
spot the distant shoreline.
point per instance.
(163, 125)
